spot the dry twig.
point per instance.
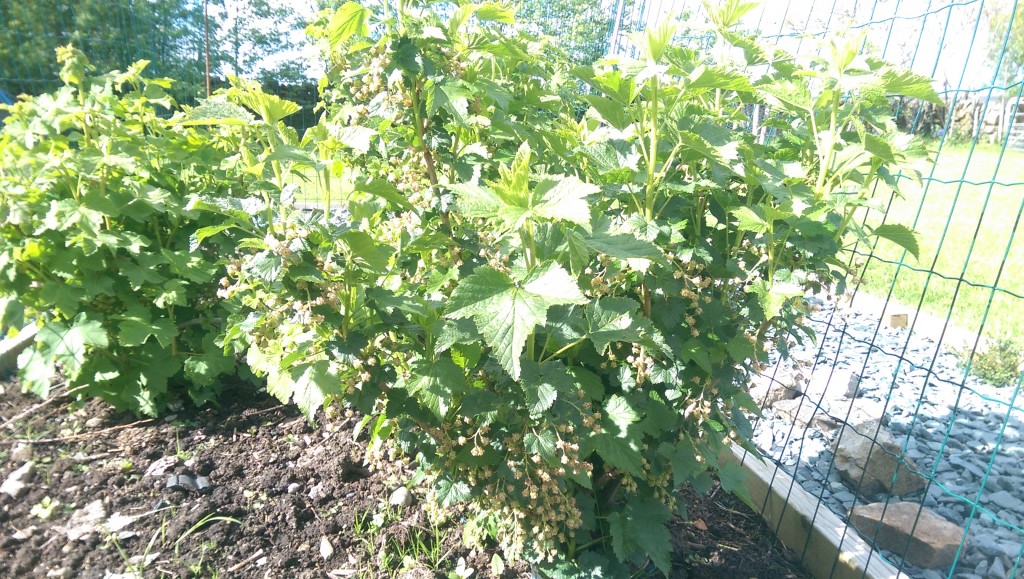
(81, 436)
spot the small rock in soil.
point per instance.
(16, 482)
(21, 453)
(401, 497)
(326, 548)
(93, 422)
(117, 522)
(24, 534)
(160, 466)
(85, 521)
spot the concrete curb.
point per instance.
(11, 347)
(827, 548)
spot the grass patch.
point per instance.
(966, 211)
(311, 187)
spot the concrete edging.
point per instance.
(827, 549)
(11, 347)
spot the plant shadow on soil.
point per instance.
(278, 488)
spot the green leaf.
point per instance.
(352, 19)
(788, 94)
(12, 314)
(729, 13)
(542, 383)
(354, 137)
(683, 458)
(641, 526)
(506, 310)
(493, 12)
(68, 346)
(900, 235)
(561, 198)
(542, 444)
(271, 108)
(578, 252)
(363, 252)
(909, 84)
(620, 245)
(733, 476)
(216, 112)
(710, 78)
(312, 385)
(612, 320)
(612, 112)
(136, 328)
(772, 297)
(173, 294)
(203, 233)
(450, 493)
(749, 220)
(616, 451)
(385, 190)
(292, 155)
(620, 413)
(564, 200)
(435, 384)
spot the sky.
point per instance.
(943, 39)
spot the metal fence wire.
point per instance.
(907, 408)
(901, 424)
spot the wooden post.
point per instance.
(206, 26)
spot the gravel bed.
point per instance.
(965, 435)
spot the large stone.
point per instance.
(803, 412)
(767, 392)
(856, 410)
(831, 384)
(867, 457)
(926, 539)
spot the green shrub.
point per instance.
(555, 316)
(999, 363)
(96, 240)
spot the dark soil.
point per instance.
(279, 492)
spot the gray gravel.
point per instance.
(965, 435)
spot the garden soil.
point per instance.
(110, 494)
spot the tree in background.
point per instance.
(254, 34)
(1001, 15)
(584, 27)
(114, 33)
(246, 35)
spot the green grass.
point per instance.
(972, 202)
(311, 187)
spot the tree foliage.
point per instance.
(168, 33)
(1006, 42)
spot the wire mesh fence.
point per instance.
(908, 406)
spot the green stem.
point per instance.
(563, 350)
(652, 152)
(327, 191)
(826, 156)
